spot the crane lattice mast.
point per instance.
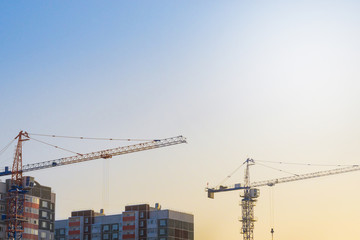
(16, 193)
(248, 203)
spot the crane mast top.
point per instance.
(16, 176)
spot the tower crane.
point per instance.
(19, 185)
(251, 192)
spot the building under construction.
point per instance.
(39, 214)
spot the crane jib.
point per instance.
(109, 153)
(306, 176)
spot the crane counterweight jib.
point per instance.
(222, 188)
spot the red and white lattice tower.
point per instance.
(16, 194)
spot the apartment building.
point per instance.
(2, 210)
(137, 222)
(39, 212)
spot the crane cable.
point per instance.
(93, 138)
(233, 172)
(7, 146)
(54, 146)
(106, 184)
(83, 138)
(277, 169)
(230, 175)
(308, 164)
(272, 212)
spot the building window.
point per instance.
(178, 224)
(44, 204)
(43, 235)
(87, 220)
(141, 214)
(106, 236)
(191, 226)
(115, 236)
(43, 224)
(44, 214)
(142, 224)
(162, 223)
(141, 232)
(106, 228)
(162, 231)
(115, 227)
(62, 231)
(171, 223)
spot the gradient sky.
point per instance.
(271, 80)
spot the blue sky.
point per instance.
(271, 80)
